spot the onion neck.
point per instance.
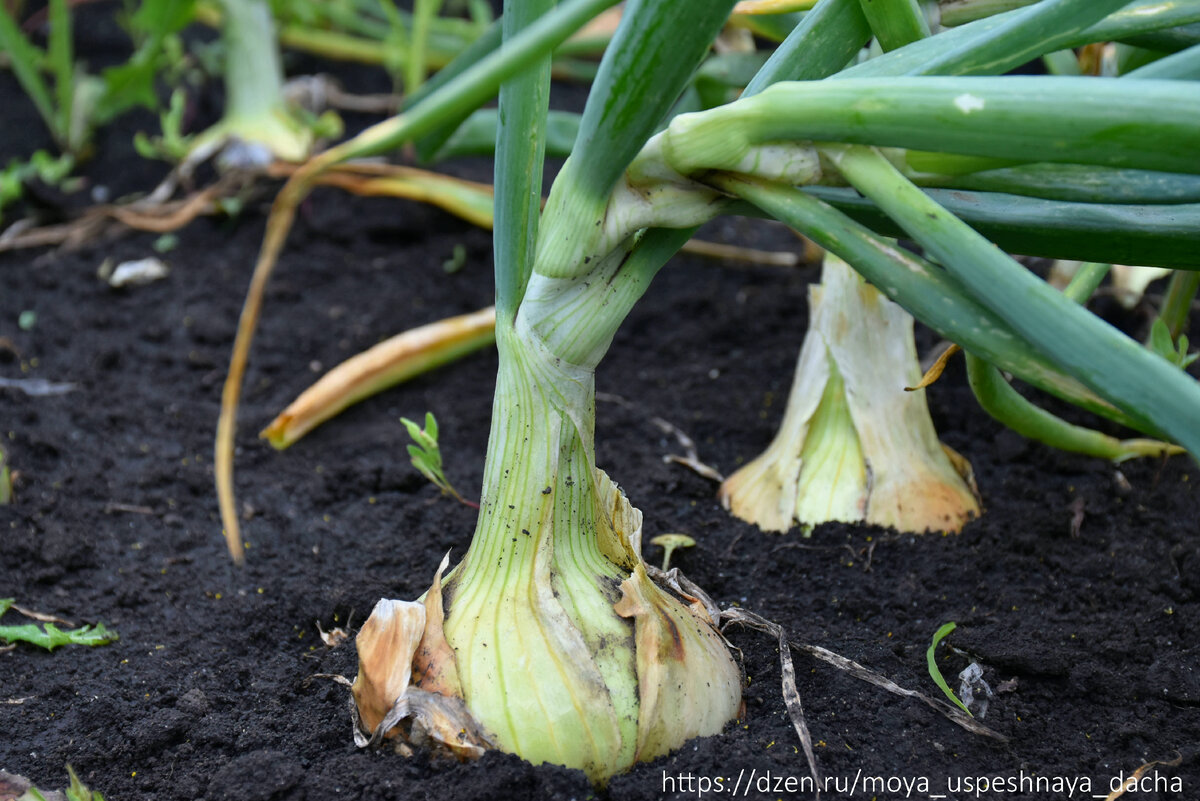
(545, 662)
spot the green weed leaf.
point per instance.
(50, 636)
(50, 170)
(427, 457)
(126, 86)
(935, 673)
(1175, 352)
(6, 492)
(27, 62)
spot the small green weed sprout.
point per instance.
(1176, 352)
(671, 543)
(6, 488)
(50, 170)
(427, 456)
(935, 673)
(72, 102)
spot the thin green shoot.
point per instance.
(934, 672)
(49, 636)
(78, 791)
(1085, 281)
(1177, 303)
(427, 456)
(424, 12)
(27, 62)
(396, 41)
(6, 488)
(60, 58)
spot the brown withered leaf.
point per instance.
(401, 636)
(935, 371)
(439, 720)
(1131, 781)
(435, 668)
(386, 644)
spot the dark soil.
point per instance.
(209, 691)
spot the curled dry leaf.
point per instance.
(42, 616)
(691, 459)
(397, 638)
(936, 369)
(334, 637)
(1131, 782)
(386, 645)
(434, 667)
